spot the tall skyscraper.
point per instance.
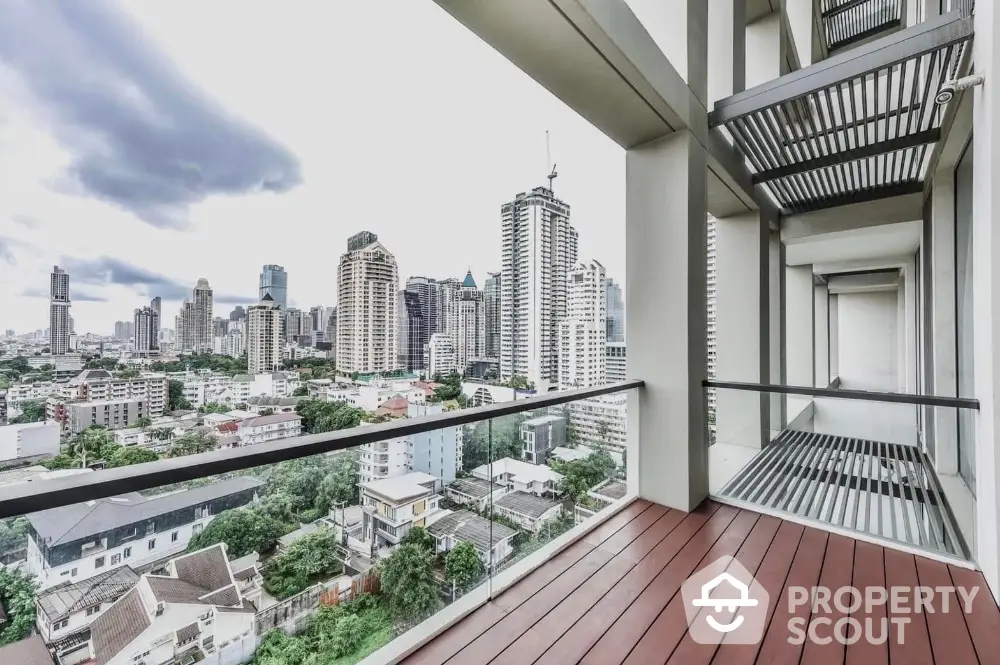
(274, 282)
(491, 304)
(238, 313)
(194, 322)
(412, 331)
(264, 336)
(446, 301)
(297, 323)
(425, 290)
(583, 333)
(539, 248)
(59, 326)
(146, 324)
(367, 301)
(615, 328)
(469, 327)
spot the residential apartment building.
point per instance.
(614, 362)
(86, 539)
(264, 336)
(492, 310)
(433, 453)
(274, 283)
(600, 421)
(124, 330)
(583, 333)
(393, 506)
(540, 435)
(367, 317)
(59, 319)
(539, 249)
(615, 327)
(29, 441)
(193, 325)
(195, 612)
(468, 325)
(146, 330)
(412, 331)
(98, 384)
(110, 414)
(64, 611)
(439, 355)
(269, 428)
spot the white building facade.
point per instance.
(367, 286)
(583, 333)
(264, 337)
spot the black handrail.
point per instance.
(30, 497)
(839, 393)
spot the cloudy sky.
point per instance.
(146, 144)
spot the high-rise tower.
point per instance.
(59, 326)
(367, 302)
(274, 282)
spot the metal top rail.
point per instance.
(30, 497)
(865, 395)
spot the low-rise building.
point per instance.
(65, 610)
(393, 506)
(96, 385)
(541, 434)
(518, 476)
(80, 541)
(435, 453)
(493, 541)
(601, 421)
(564, 454)
(195, 612)
(269, 428)
(528, 510)
(111, 414)
(275, 404)
(475, 492)
(28, 442)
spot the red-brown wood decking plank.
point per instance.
(869, 572)
(451, 641)
(543, 634)
(728, 527)
(984, 619)
(838, 568)
(915, 647)
(573, 645)
(805, 572)
(950, 638)
(688, 652)
(518, 620)
(771, 575)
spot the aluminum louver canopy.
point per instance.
(855, 127)
(847, 22)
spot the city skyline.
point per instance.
(317, 164)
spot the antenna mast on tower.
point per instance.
(548, 159)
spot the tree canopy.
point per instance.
(197, 361)
(322, 416)
(419, 536)
(130, 455)
(192, 443)
(450, 388)
(32, 411)
(579, 476)
(176, 399)
(17, 595)
(408, 583)
(480, 449)
(243, 530)
(294, 569)
(213, 407)
(463, 565)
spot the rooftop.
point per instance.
(273, 419)
(568, 454)
(543, 420)
(522, 472)
(464, 526)
(401, 488)
(477, 488)
(612, 489)
(274, 401)
(70, 597)
(84, 520)
(30, 651)
(525, 503)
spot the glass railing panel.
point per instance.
(888, 466)
(328, 553)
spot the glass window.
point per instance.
(963, 316)
(99, 562)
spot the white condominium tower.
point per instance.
(194, 323)
(264, 336)
(59, 326)
(583, 333)
(539, 248)
(367, 286)
(469, 327)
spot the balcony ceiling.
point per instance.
(858, 126)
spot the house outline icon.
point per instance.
(718, 603)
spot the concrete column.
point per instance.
(800, 318)
(821, 328)
(680, 29)
(834, 337)
(986, 287)
(908, 292)
(776, 288)
(942, 319)
(727, 32)
(801, 22)
(665, 236)
(742, 314)
(764, 50)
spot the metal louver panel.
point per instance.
(846, 22)
(882, 489)
(855, 127)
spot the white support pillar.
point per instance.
(821, 329)
(742, 314)
(665, 236)
(680, 29)
(800, 318)
(776, 289)
(801, 22)
(986, 287)
(834, 337)
(727, 33)
(764, 47)
(908, 294)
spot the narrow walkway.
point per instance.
(614, 597)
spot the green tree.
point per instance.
(243, 530)
(130, 455)
(462, 565)
(192, 443)
(408, 583)
(92, 444)
(127, 374)
(308, 558)
(322, 416)
(32, 411)
(143, 422)
(348, 635)
(579, 476)
(17, 595)
(277, 506)
(13, 534)
(419, 536)
(341, 482)
(63, 461)
(176, 401)
(109, 364)
(301, 391)
(213, 407)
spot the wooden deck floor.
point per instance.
(614, 598)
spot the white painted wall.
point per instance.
(867, 341)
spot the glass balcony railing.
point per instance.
(887, 465)
(296, 543)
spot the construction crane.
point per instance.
(548, 160)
